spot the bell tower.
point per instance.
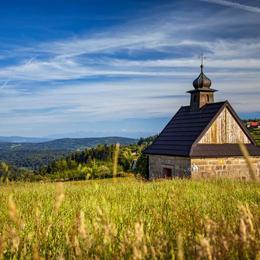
(202, 94)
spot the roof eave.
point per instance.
(202, 90)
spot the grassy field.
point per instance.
(127, 218)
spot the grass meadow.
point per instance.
(127, 218)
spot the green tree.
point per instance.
(4, 171)
(142, 166)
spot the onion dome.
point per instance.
(202, 81)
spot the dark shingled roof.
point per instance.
(181, 134)
(222, 150)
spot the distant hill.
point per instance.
(34, 155)
(20, 139)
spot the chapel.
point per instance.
(202, 140)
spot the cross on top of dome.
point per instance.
(202, 81)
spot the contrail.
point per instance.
(4, 84)
(28, 62)
(248, 8)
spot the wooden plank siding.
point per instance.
(224, 130)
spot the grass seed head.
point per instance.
(81, 225)
(205, 249)
(59, 196)
(180, 254)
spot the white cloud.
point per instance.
(236, 5)
(71, 59)
(223, 54)
(177, 42)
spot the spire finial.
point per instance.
(202, 57)
(202, 81)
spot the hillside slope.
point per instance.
(35, 155)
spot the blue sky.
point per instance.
(100, 68)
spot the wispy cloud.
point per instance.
(137, 70)
(119, 51)
(86, 104)
(224, 55)
(249, 8)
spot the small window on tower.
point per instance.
(207, 98)
(194, 99)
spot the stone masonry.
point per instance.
(198, 168)
(229, 167)
(180, 166)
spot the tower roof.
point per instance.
(202, 81)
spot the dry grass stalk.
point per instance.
(12, 210)
(246, 227)
(81, 225)
(205, 249)
(59, 196)
(139, 246)
(180, 253)
(14, 214)
(36, 255)
(115, 159)
(125, 222)
(248, 161)
(1, 248)
(242, 230)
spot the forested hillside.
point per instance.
(98, 162)
(42, 161)
(90, 163)
(21, 139)
(35, 155)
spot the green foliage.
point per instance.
(142, 166)
(146, 141)
(30, 159)
(4, 171)
(89, 163)
(10, 173)
(128, 219)
(127, 157)
(93, 163)
(35, 155)
(256, 134)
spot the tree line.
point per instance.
(91, 163)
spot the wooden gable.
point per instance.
(225, 130)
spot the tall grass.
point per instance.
(247, 158)
(126, 218)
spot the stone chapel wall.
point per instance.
(180, 166)
(230, 168)
(201, 168)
